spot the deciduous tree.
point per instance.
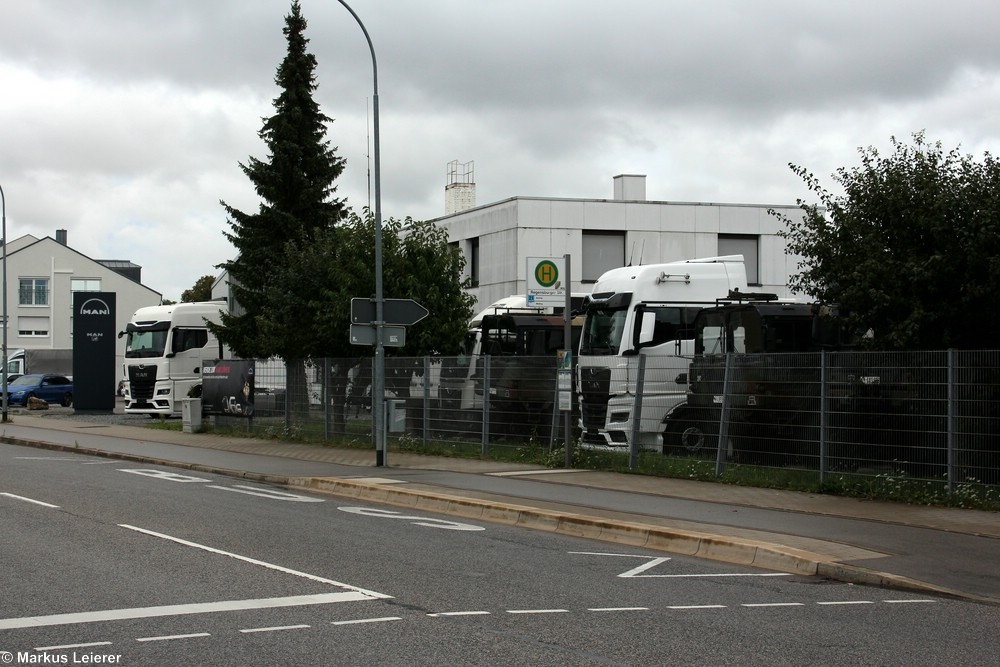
(911, 248)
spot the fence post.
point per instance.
(554, 424)
(822, 416)
(633, 445)
(326, 398)
(950, 442)
(427, 400)
(720, 454)
(486, 404)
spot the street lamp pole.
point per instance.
(3, 215)
(378, 373)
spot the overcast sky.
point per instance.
(124, 121)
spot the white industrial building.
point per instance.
(42, 275)
(600, 234)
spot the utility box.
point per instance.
(397, 416)
(191, 415)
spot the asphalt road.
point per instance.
(153, 565)
(952, 549)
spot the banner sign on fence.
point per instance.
(227, 387)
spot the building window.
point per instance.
(474, 261)
(33, 327)
(747, 245)
(85, 285)
(34, 292)
(602, 251)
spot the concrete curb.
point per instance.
(702, 545)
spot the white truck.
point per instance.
(164, 352)
(22, 362)
(638, 312)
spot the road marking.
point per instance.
(179, 610)
(637, 572)
(163, 474)
(538, 611)
(459, 613)
(29, 500)
(46, 458)
(619, 609)
(906, 601)
(277, 628)
(253, 561)
(367, 620)
(266, 493)
(67, 646)
(847, 602)
(165, 638)
(417, 520)
(698, 606)
(525, 473)
(773, 604)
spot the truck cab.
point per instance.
(164, 350)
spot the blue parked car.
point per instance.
(46, 386)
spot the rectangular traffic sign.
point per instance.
(365, 334)
(402, 312)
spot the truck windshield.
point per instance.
(147, 343)
(602, 331)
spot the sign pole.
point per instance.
(568, 344)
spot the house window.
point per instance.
(474, 261)
(747, 245)
(602, 251)
(33, 327)
(85, 285)
(34, 292)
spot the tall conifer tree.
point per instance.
(295, 185)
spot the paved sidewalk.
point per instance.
(761, 527)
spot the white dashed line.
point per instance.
(773, 604)
(459, 613)
(367, 620)
(166, 638)
(847, 602)
(697, 606)
(277, 628)
(69, 646)
(538, 611)
(619, 609)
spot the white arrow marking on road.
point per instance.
(163, 474)
(266, 493)
(417, 520)
(657, 560)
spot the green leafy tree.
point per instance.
(338, 264)
(911, 249)
(201, 291)
(296, 186)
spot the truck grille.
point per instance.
(595, 388)
(142, 381)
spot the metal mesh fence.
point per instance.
(927, 415)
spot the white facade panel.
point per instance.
(654, 231)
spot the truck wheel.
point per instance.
(689, 437)
(67, 400)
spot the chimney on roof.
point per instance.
(460, 193)
(61, 236)
(630, 187)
